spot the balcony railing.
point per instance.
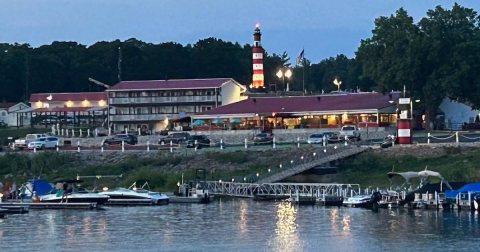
(157, 99)
(148, 117)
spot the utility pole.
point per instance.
(119, 64)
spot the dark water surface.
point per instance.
(240, 225)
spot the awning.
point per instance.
(198, 122)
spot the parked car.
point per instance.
(263, 138)
(119, 138)
(175, 138)
(100, 131)
(50, 120)
(316, 138)
(201, 141)
(44, 143)
(350, 131)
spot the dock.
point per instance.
(42, 205)
(129, 202)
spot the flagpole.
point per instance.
(303, 77)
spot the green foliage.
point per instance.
(236, 157)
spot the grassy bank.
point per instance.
(370, 169)
(164, 171)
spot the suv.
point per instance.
(202, 141)
(175, 138)
(44, 143)
(119, 138)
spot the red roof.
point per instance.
(81, 96)
(170, 84)
(6, 105)
(292, 104)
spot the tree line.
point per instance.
(437, 56)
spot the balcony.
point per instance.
(147, 117)
(161, 99)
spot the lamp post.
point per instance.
(281, 74)
(337, 83)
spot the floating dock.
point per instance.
(43, 205)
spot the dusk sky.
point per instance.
(323, 28)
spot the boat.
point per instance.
(194, 191)
(68, 191)
(389, 199)
(188, 194)
(134, 195)
(357, 201)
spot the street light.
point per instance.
(337, 83)
(282, 74)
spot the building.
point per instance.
(455, 114)
(322, 111)
(152, 104)
(14, 114)
(89, 108)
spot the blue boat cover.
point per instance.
(41, 186)
(472, 187)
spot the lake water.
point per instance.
(240, 225)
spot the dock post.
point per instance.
(88, 132)
(246, 146)
(57, 146)
(101, 149)
(456, 137)
(171, 146)
(73, 133)
(148, 146)
(324, 141)
(123, 146)
(81, 133)
(428, 138)
(221, 144)
(274, 144)
(346, 139)
(78, 146)
(298, 142)
(196, 144)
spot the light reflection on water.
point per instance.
(240, 225)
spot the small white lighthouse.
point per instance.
(257, 59)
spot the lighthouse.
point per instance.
(257, 59)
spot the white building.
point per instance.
(457, 113)
(15, 114)
(150, 104)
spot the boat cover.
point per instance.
(41, 186)
(472, 187)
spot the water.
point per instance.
(240, 225)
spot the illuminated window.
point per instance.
(102, 103)
(69, 103)
(39, 104)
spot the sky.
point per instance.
(322, 28)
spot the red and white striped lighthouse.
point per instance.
(257, 59)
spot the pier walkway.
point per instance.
(311, 160)
(250, 190)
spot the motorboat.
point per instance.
(357, 201)
(68, 191)
(135, 195)
(389, 199)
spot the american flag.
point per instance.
(300, 57)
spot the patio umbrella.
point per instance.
(217, 121)
(235, 120)
(198, 122)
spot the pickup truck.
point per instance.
(350, 131)
(22, 143)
